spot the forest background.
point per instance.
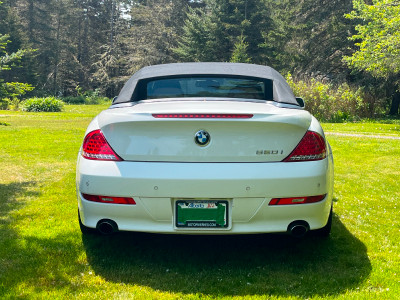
(342, 56)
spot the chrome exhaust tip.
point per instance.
(107, 227)
(298, 229)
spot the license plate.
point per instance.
(201, 214)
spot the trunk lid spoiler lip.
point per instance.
(206, 99)
(144, 110)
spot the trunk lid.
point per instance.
(269, 135)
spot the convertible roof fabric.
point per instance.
(281, 90)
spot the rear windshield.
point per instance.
(204, 86)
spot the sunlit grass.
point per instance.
(43, 255)
(392, 129)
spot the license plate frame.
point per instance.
(202, 214)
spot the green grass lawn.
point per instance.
(387, 130)
(43, 254)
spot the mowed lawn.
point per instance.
(43, 254)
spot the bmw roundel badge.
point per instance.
(202, 138)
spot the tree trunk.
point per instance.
(112, 26)
(57, 56)
(31, 20)
(394, 109)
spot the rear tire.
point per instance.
(326, 230)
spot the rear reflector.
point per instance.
(296, 200)
(204, 116)
(109, 199)
(311, 147)
(96, 147)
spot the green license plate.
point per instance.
(201, 214)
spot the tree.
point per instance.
(202, 38)
(239, 54)
(309, 38)
(110, 65)
(154, 32)
(9, 60)
(211, 32)
(378, 39)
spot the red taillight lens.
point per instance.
(296, 200)
(109, 199)
(311, 147)
(204, 116)
(96, 147)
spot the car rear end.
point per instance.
(262, 168)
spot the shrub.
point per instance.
(335, 104)
(5, 103)
(88, 97)
(93, 97)
(48, 104)
(92, 100)
(74, 100)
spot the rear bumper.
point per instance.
(247, 186)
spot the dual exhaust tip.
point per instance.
(297, 229)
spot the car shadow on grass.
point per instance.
(10, 201)
(31, 261)
(263, 264)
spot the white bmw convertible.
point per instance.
(205, 148)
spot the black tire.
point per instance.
(84, 229)
(326, 230)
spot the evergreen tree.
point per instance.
(10, 60)
(153, 33)
(239, 54)
(309, 38)
(110, 66)
(10, 25)
(202, 38)
(211, 32)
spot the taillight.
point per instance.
(109, 199)
(311, 147)
(96, 147)
(203, 116)
(296, 200)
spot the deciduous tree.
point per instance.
(378, 39)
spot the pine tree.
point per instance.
(153, 33)
(239, 54)
(10, 58)
(308, 39)
(211, 32)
